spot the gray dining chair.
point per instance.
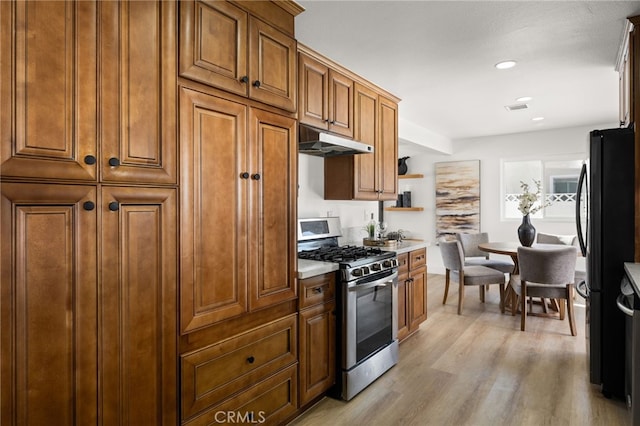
(473, 256)
(466, 275)
(569, 240)
(546, 273)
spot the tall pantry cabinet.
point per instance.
(238, 348)
(88, 212)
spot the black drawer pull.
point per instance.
(114, 206)
(256, 83)
(89, 205)
(244, 175)
(244, 79)
(90, 160)
(317, 290)
(255, 176)
(251, 360)
(114, 162)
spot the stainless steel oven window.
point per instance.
(371, 316)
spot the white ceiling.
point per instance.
(439, 56)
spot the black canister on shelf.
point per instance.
(406, 199)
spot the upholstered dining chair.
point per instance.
(546, 273)
(473, 256)
(467, 275)
(569, 240)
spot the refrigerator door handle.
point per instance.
(583, 289)
(582, 181)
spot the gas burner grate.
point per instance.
(339, 254)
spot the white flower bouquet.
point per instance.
(527, 199)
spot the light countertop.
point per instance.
(311, 268)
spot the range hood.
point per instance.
(315, 142)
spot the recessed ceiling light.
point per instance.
(524, 99)
(537, 119)
(505, 65)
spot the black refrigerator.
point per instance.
(605, 222)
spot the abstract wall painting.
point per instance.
(457, 198)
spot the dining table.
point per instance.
(510, 248)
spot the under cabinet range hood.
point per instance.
(321, 144)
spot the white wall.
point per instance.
(489, 150)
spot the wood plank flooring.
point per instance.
(480, 369)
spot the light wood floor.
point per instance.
(480, 369)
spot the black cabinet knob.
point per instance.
(255, 176)
(256, 83)
(114, 162)
(244, 79)
(250, 360)
(114, 206)
(244, 175)
(89, 205)
(90, 160)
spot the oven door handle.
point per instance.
(377, 283)
(621, 301)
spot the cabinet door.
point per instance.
(366, 127)
(272, 66)
(403, 300)
(48, 89)
(386, 150)
(213, 205)
(317, 350)
(272, 208)
(340, 104)
(138, 306)
(313, 92)
(213, 44)
(417, 297)
(48, 338)
(138, 91)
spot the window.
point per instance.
(559, 182)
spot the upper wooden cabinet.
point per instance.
(138, 91)
(49, 90)
(223, 45)
(238, 204)
(54, 94)
(367, 176)
(325, 96)
(624, 67)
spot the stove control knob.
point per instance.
(376, 267)
(387, 263)
(357, 272)
(365, 270)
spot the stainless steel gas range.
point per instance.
(367, 295)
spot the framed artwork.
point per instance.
(457, 198)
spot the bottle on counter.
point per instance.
(371, 228)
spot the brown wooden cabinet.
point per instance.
(49, 310)
(238, 200)
(317, 328)
(138, 92)
(89, 270)
(214, 375)
(412, 291)
(325, 96)
(60, 93)
(49, 90)
(625, 77)
(138, 301)
(366, 176)
(225, 46)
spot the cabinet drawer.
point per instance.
(403, 263)
(417, 258)
(316, 290)
(211, 374)
(269, 402)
